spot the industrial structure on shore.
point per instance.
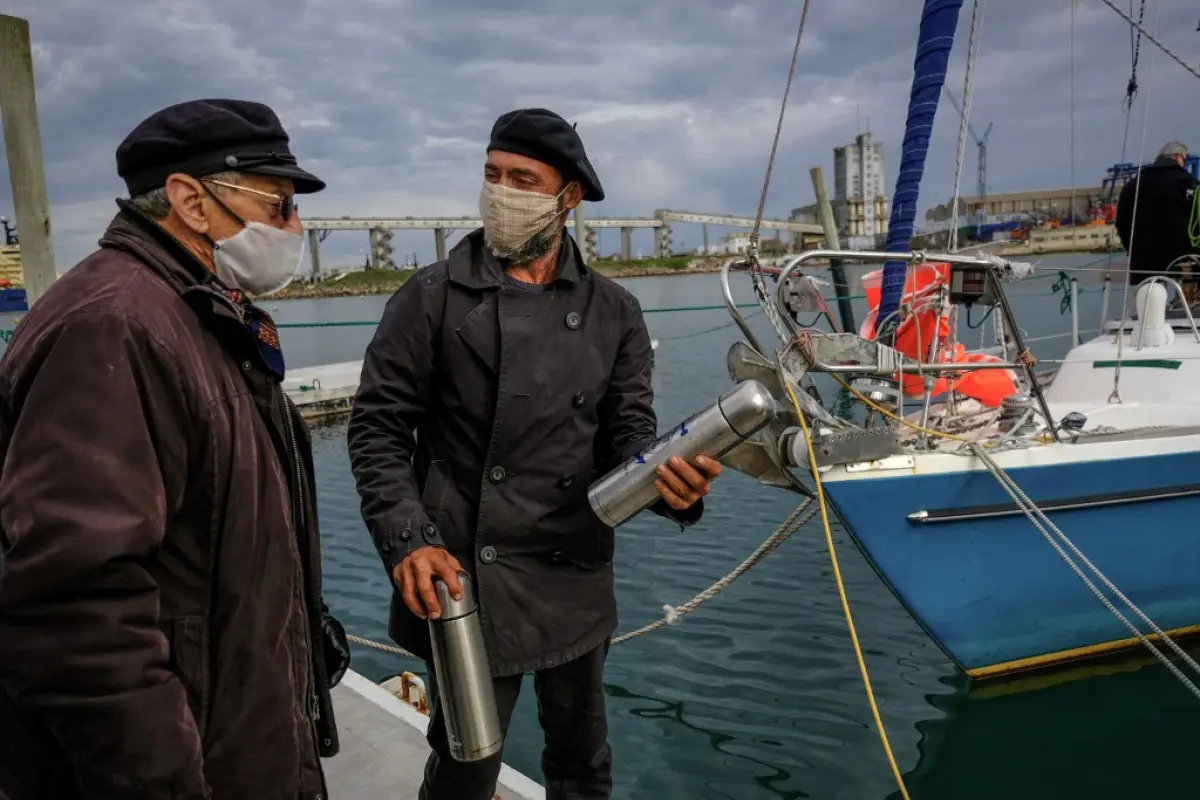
(382, 253)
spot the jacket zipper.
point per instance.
(314, 711)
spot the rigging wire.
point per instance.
(1115, 397)
(964, 125)
(762, 200)
(1135, 49)
(756, 271)
(1152, 38)
(1071, 127)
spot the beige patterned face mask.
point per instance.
(512, 217)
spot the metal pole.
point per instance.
(836, 270)
(1011, 321)
(1104, 303)
(314, 249)
(24, 144)
(586, 248)
(373, 239)
(439, 243)
(1075, 340)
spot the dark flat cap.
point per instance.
(546, 137)
(204, 137)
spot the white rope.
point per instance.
(964, 122)
(1115, 397)
(1042, 522)
(387, 648)
(672, 614)
(1071, 129)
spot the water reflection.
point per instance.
(1090, 731)
(659, 709)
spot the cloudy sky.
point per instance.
(391, 101)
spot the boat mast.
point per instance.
(939, 19)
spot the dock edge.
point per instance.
(514, 784)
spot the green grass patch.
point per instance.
(354, 283)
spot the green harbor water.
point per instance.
(757, 695)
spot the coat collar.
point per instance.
(133, 233)
(471, 263)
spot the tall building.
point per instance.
(860, 201)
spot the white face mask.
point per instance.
(258, 259)
(512, 217)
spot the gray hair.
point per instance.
(1173, 149)
(154, 203)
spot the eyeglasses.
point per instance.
(282, 205)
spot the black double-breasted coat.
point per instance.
(483, 414)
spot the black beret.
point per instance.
(204, 137)
(546, 137)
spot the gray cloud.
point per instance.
(391, 102)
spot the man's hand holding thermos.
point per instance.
(414, 577)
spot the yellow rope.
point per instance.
(876, 407)
(837, 576)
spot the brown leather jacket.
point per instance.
(163, 589)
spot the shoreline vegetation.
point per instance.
(373, 282)
(362, 283)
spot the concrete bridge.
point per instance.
(382, 255)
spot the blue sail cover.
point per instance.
(938, 22)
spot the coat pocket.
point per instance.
(591, 547)
(189, 662)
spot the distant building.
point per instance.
(860, 204)
(807, 215)
(738, 242)
(1045, 203)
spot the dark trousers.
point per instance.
(576, 758)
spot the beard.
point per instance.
(539, 245)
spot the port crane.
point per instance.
(981, 147)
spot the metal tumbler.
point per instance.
(464, 679)
(737, 415)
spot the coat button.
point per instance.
(387, 545)
(247, 366)
(429, 531)
(488, 554)
(573, 320)
(556, 556)
(566, 481)
(578, 399)
(405, 535)
(496, 474)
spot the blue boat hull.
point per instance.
(993, 593)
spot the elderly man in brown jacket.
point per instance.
(162, 631)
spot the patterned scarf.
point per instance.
(261, 327)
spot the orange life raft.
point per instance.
(988, 386)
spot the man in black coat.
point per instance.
(499, 384)
(1155, 234)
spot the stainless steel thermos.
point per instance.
(464, 679)
(629, 489)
